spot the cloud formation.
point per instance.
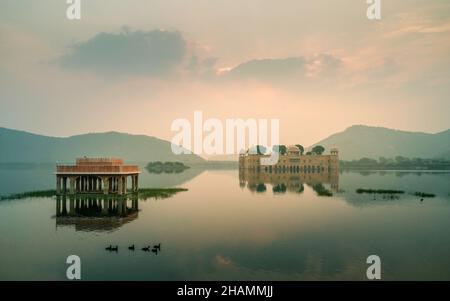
(150, 53)
(273, 69)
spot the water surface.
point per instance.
(232, 226)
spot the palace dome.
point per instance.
(293, 150)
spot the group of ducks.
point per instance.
(155, 249)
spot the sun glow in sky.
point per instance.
(135, 66)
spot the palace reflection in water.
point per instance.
(257, 181)
(97, 212)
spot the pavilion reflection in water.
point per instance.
(96, 212)
(257, 181)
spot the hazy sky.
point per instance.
(135, 66)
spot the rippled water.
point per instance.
(233, 226)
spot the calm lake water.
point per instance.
(234, 226)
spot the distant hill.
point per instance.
(360, 141)
(19, 146)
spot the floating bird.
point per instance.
(131, 248)
(146, 249)
(155, 250)
(158, 246)
(108, 248)
(421, 200)
(116, 248)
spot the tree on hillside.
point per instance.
(367, 162)
(300, 148)
(402, 160)
(318, 149)
(382, 161)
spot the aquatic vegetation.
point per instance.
(158, 193)
(166, 167)
(379, 191)
(424, 195)
(143, 194)
(397, 163)
(30, 194)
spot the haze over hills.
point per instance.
(360, 141)
(19, 146)
(355, 142)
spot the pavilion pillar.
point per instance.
(125, 185)
(58, 185)
(72, 185)
(137, 182)
(134, 183)
(120, 188)
(105, 185)
(65, 185)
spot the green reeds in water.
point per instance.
(143, 194)
(379, 191)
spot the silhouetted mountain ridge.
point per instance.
(360, 141)
(21, 146)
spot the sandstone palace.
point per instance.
(292, 161)
(292, 170)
